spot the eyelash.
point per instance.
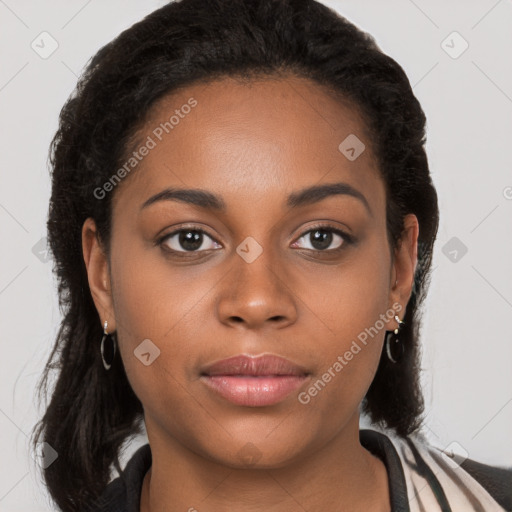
(347, 240)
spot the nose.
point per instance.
(257, 295)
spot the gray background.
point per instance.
(467, 343)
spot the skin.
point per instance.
(253, 144)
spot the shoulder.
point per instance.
(454, 477)
(123, 493)
(495, 479)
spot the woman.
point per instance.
(243, 221)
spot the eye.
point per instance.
(322, 237)
(188, 240)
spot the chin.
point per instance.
(258, 453)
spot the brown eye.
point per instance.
(324, 239)
(189, 240)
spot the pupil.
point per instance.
(190, 240)
(320, 239)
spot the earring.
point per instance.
(108, 350)
(394, 347)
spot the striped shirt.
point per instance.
(422, 478)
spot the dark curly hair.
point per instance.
(91, 413)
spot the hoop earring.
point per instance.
(108, 351)
(394, 347)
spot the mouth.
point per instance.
(254, 381)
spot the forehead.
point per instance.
(250, 139)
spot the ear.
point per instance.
(98, 273)
(403, 268)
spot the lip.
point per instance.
(254, 381)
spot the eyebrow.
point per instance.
(304, 197)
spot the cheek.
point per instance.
(152, 297)
(351, 310)
(158, 311)
(348, 298)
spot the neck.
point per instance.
(340, 476)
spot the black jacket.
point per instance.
(468, 486)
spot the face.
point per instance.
(306, 277)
